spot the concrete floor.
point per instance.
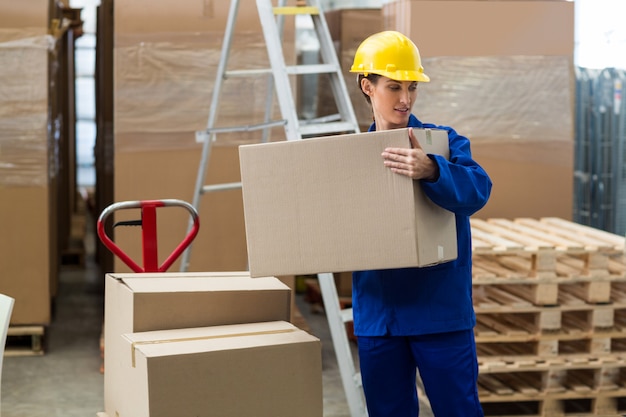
(66, 381)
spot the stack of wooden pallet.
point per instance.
(550, 301)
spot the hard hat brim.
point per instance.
(398, 75)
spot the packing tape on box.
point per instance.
(190, 339)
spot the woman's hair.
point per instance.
(372, 77)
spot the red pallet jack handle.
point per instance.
(149, 233)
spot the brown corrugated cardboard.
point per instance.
(330, 205)
(27, 162)
(267, 369)
(24, 14)
(143, 302)
(343, 282)
(501, 84)
(522, 27)
(532, 178)
(25, 262)
(146, 16)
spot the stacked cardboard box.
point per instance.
(27, 165)
(166, 57)
(36, 135)
(501, 74)
(206, 344)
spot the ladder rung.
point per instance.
(247, 72)
(291, 69)
(243, 128)
(322, 119)
(312, 69)
(292, 10)
(317, 129)
(221, 187)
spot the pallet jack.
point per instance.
(148, 223)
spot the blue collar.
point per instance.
(413, 122)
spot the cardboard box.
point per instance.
(343, 282)
(144, 302)
(268, 369)
(524, 27)
(28, 162)
(532, 178)
(330, 205)
(24, 14)
(25, 272)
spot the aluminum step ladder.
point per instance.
(272, 22)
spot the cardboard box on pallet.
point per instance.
(330, 205)
(143, 302)
(28, 162)
(270, 369)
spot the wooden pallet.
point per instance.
(550, 291)
(596, 386)
(568, 404)
(532, 247)
(25, 341)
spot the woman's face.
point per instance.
(391, 101)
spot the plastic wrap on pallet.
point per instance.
(24, 107)
(600, 144)
(500, 97)
(164, 83)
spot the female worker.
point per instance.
(418, 318)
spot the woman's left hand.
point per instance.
(412, 162)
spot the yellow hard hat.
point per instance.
(390, 54)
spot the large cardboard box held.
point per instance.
(144, 302)
(329, 204)
(270, 369)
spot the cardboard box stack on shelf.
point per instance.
(34, 109)
(165, 60)
(27, 265)
(550, 307)
(207, 344)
